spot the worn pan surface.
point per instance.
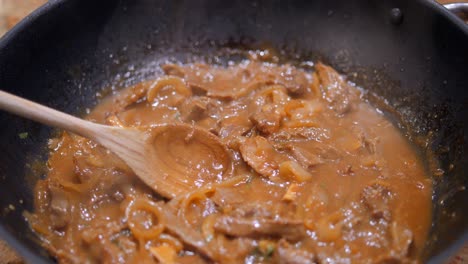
(413, 53)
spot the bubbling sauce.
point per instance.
(318, 175)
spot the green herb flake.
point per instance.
(116, 242)
(249, 180)
(23, 135)
(209, 238)
(177, 116)
(265, 249)
(269, 251)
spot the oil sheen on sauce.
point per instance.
(319, 176)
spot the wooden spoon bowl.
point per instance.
(172, 159)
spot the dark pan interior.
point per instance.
(68, 50)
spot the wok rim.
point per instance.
(35, 257)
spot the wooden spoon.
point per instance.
(172, 159)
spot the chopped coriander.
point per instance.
(266, 248)
(23, 135)
(177, 116)
(269, 250)
(209, 238)
(116, 242)
(250, 179)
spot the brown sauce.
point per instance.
(319, 176)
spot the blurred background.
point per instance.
(12, 11)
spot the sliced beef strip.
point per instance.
(267, 120)
(199, 108)
(376, 198)
(306, 158)
(294, 80)
(232, 129)
(186, 233)
(261, 220)
(195, 109)
(292, 230)
(335, 89)
(299, 134)
(286, 253)
(263, 210)
(227, 83)
(236, 81)
(229, 197)
(231, 135)
(259, 154)
(311, 156)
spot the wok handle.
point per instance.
(459, 9)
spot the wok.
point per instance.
(412, 53)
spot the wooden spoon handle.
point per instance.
(45, 115)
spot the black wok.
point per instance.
(413, 53)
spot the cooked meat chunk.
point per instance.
(261, 220)
(234, 82)
(299, 134)
(306, 158)
(286, 253)
(231, 135)
(260, 227)
(376, 197)
(294, 80)
(195, 109)
(312, 155)
(261, 156)
(267, 120)
(182, 230)
(226, 83)
(335, 89)
(262, 210)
